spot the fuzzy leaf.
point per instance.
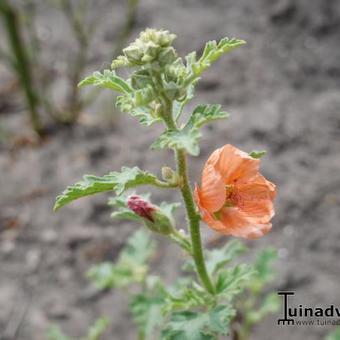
(126, 214)
(146, 311)
(169, 208)
(90, 185)
(131, 266)
(132, 177)
(231, 281)
(186, 297)
(271, 303)
(257, 154)
(146, 115)
(212, 52)
(218, 258)
(119, 181)
(139, 247)
(107, 79)
(186, 139)
(205, 113)
(189, 325)
(264, 270)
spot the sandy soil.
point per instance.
(282, 90)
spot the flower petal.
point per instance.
(236, 224)
(239, 225)
(236, 166)
(255, 201)
(212, 193)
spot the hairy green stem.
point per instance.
(194, 222)
(192, 215)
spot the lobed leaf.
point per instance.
(186, 139)
(118, 181)
(143, 114)
(187, 296)
(205, 113)
(131, 266)
(231, 281)
(271, 304)
(146, 311)
(90, 185)
(212, 52)
(189, 325)
(107, 79)
(218, 258)
(264, 270)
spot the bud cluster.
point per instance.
(152, 45)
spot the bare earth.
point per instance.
(282, 90)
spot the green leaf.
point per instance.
(185, 139)
(335, 335)
(146, 310)
(97, 330)
(264, 270)
(123, 212)
(132, 177)
(107, 79)
(231, 281)
(218, 258)
(212, 52)
(169, 208)
(90, 185)
(131, 266)
(187, 296)
(139, 247)
(205, 113)
(270, 304)
(126, 214)
(257, 154)
(146, 115)
(189, 325)
(119, 181)
(55, 333)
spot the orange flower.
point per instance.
(235, 199)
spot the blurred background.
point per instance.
(282, 90)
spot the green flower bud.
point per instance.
(133, 53)
(170, 175)
(121, 61)
(167, 56)
(161, 38)
(140, 80)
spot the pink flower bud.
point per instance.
(153, 216)
(141, 207)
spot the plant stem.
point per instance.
(192, 215)
(194, 222)
(21, 61)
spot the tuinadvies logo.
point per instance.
(320, 316)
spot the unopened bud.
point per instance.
(133, 53)
(153, 217)
(170, 175)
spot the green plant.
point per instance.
(234, 199)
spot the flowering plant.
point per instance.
(233, 199)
